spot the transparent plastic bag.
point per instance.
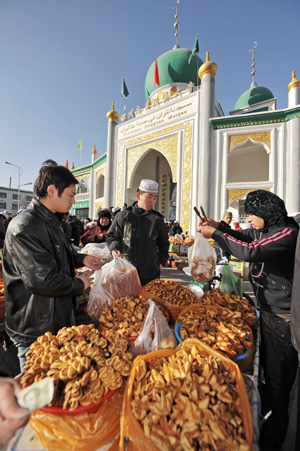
(162, 338)
(98, 250)
(116, 279)
(202, 259)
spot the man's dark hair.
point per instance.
(53, 174)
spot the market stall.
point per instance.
(94, 368)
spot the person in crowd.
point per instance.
(67, 228)
(295, 323)
(8, 212)
(97, 233)
(3, 221)
(226, 218)
(139, 234)
(12, 416)
(176, 229)
(114, 212)
(38, 267)
(168, 226)
(269, 246)
(237, 226)
(77, 229)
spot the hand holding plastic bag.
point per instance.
(98, 250)
(163, 337)
(116, 279)
(202, 259)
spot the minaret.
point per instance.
(207, 74)
(109, 178)
(294, 91)
(293, 150)
(92, 212)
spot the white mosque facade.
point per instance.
(182, 139)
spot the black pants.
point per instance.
(280, 361)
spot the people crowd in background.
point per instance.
(97, 233)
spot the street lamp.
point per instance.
(20, 172)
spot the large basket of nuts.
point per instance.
(171, 295)
(192, 397)
(220, 328)
(87, 366)
(126, 315)
(234, 302)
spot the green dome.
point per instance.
(254, 95)
(173, 67)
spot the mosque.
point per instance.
(182, 139)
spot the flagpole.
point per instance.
(80, 156)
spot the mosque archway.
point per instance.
(155, 166)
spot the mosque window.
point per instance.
(248, 162)
(82, 187)
(100, 187)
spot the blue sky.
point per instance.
(62, 63)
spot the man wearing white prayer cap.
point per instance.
(138, 233)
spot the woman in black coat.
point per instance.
(269, 246)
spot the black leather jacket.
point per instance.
(38, 271)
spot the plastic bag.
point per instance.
(163, 337)
(116, 279)
(230, 283)
(133, 437)
(202, 259)
(82, 432)
(98, 250)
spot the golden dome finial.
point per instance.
(207, 68)
(94, 151)
(112, 115)
(72, 167)
(294, 83)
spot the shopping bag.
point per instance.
(98, 250)
(202, 259)
(116, 279)
(161, 338)
(230, 283)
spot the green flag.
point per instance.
(124, 92)
(79, 145)
(196, 45)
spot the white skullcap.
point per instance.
(176, 222)
(149, 186)
(21, 210)
(116, 209)
(4, 214)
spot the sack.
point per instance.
(115, 280)
(163, 337)
(98, 250)
(230, 283)
(82, 432)
(202, 259)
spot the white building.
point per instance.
(182, 139)
(9, 199)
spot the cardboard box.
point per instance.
(183, 250)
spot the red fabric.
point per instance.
(67, 164)
(156, 75)
(91, 235)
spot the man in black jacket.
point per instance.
(139, 234)
(38, 266)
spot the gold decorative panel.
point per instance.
(234, 194)
(264, 138)
(154, 134)
(167, 146)
(187, 176)
(86, 176)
